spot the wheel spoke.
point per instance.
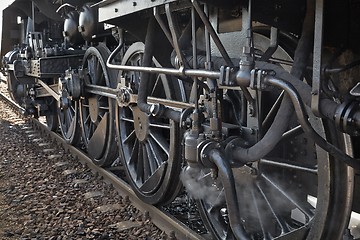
(296, 131)
(99, 72)
(160, 125)
(157, 155)
(303, 207)
(133, 153)
(151, 158)
(268, 120)
(160, 141)
(259, 215)
(155, 85)
(68, 118)
(140, 164)
(104, 108)
(126, 119)
(146, 161)
(288, 165)
(88, 119)
(155, 175)
(130, 137)
(282, 225)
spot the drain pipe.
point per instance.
(228, 181)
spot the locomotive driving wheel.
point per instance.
(68, 117)
(148, 145)
(96, 111)
(294, 192)
(52, 121)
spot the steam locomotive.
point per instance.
(251, 106)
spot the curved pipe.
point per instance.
(228, 181)
(270, 139)
(65, 5)
(302, 118)
(280, 123)
(274, 134)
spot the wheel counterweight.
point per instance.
(149, 146)
(97, 112)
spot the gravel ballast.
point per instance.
(45, 193)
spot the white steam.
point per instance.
(202, 186)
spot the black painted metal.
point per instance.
(149, 146)
(317, 58)
(97, 130)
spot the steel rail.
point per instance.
(164, 221)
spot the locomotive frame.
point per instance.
(252, 106)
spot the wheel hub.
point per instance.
(94, 108)
(64, 103)
(141, 124)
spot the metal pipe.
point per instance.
(300, 61)
(328, 107)
(270, 139)
(218, 44)
(156, 70)
(274, 134)
(169, 71)
(115, 52)
(228, 181)
(306, 126)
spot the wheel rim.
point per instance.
(277, 194)
(97, 111)
(279, 200)
(147, 144)
(52, 120)
(68, 118)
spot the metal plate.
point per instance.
(109, 9)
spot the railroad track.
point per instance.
(174, 228)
